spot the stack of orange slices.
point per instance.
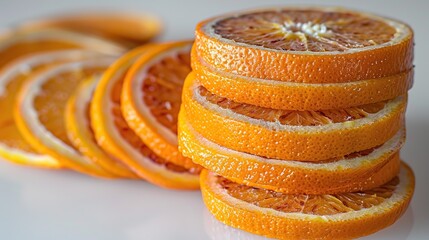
(297, 115)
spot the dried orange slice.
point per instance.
(39, 113)
(115, 137)
(308, 45)
(355, 172)
(301, 216)
(151, 98)
(300, 96)
(126, 28)
(14, 44)
(80, 132)
(290, 135)
(13, 147)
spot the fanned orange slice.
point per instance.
(328, 216)
(115, 137)
(308, 45)
(355, 172)
(300, 96)
(80, 132)
(290, 135)
(13, 147)
(151, 98)
(39, 113)
(127, 28)
(14, 44)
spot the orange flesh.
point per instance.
(20, 49)
(305, 30)
(129, 136)
(162, 88)
(53, 96)
(309, 204)
(293, 117)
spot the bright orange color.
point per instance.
(81, 134)
(290, 135)
(335, 216)
(39, 112)
(300, 96)
(306, 45)
(359, 171)
(115, 137)
(151, 98)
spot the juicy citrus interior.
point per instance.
(310, 204)
(162, 88)
(129, 136)
(293, 117)
(305, 30)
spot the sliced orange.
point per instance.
(80, 132)
(127, 28)
(115, 137)
(14, 44)
(300, 96)
(39, 112)
(151, 98)
(308, 45)
(290, 135)
(301, 216)
(355, 172)
(13, 147)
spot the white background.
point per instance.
(49, 205)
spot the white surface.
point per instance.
(49, 205)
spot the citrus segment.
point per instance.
(310, 45)
(293, 135)
(39, 112)
(13, 147)
(115, 137)
(151, 98)
(300, 96)
(80, 133)
(301, 216)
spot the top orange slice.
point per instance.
(151, 98)
(309, 45)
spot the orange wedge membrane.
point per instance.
(301, 216)
(308, 45)
(151, 98)
(290, 135)
(39, 112)
(13, 146)
(80, 132)
(355, 172)
(115, 137)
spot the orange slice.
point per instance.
(14, 44)
(115, 137)
(300, 96)
(355, 172)
(290, 135)
(39, 113)
(328, 216)
(13, 147)
(126, 28)
(151, 98)
(80, 131)
(308, 45)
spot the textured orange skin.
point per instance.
(147, 132)
(288, 179)
(273, 226)
(288, 145)
(107, 141)
(76, 134)
(307, 68)
(300, 97)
